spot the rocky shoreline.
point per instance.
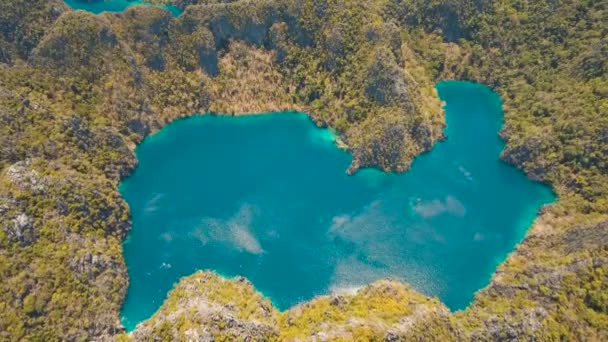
(78, 92)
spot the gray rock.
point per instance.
(21, 229)
(78, 129)
(25, 178)
(90, 266)
(386, 83)
(513, 328)
(599, 262)
(338, 300)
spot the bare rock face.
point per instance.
(90, 265)
(206, 307)
(26, 178)
(21, 229)
(18, 225)
(508, 329)
(385, 310)
(211, 308)
(386, 83)
(586, 237)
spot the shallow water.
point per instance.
(114, 6)
(267, 197)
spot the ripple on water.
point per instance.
(257, 196)
(115, 6)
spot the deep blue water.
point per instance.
(267, 197)
(114, 6)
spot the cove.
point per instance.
(100, 6)
(267, 197)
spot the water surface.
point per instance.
(115, 6)
(267, 197)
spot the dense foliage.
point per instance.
(78, 91)
(205, 305)
(548, 61)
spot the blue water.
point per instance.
(115, 6)
(267, 197)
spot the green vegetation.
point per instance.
(548, 62)
(205, 305)
(208, 306)
(381, 309)
(78, 91)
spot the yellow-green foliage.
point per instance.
(208, 305)
(377, 307)
(549, 63)
(23, 24)
(78, 91)
(384, 307)
(248, 303)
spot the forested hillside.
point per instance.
(79, 91)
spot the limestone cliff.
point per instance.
(78, 91)
(207, 307)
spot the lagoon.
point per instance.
(267, 197)
(114, 6)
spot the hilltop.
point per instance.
(79, 91)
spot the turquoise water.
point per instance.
(267, 197)
(114, 6)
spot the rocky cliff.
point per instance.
(78, 91)
(206, 307)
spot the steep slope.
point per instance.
(22, 25)
(206, 306)
(78, 91)
(547, 61)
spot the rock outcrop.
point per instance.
(25, 178)
(78, 91)
(206, 307)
